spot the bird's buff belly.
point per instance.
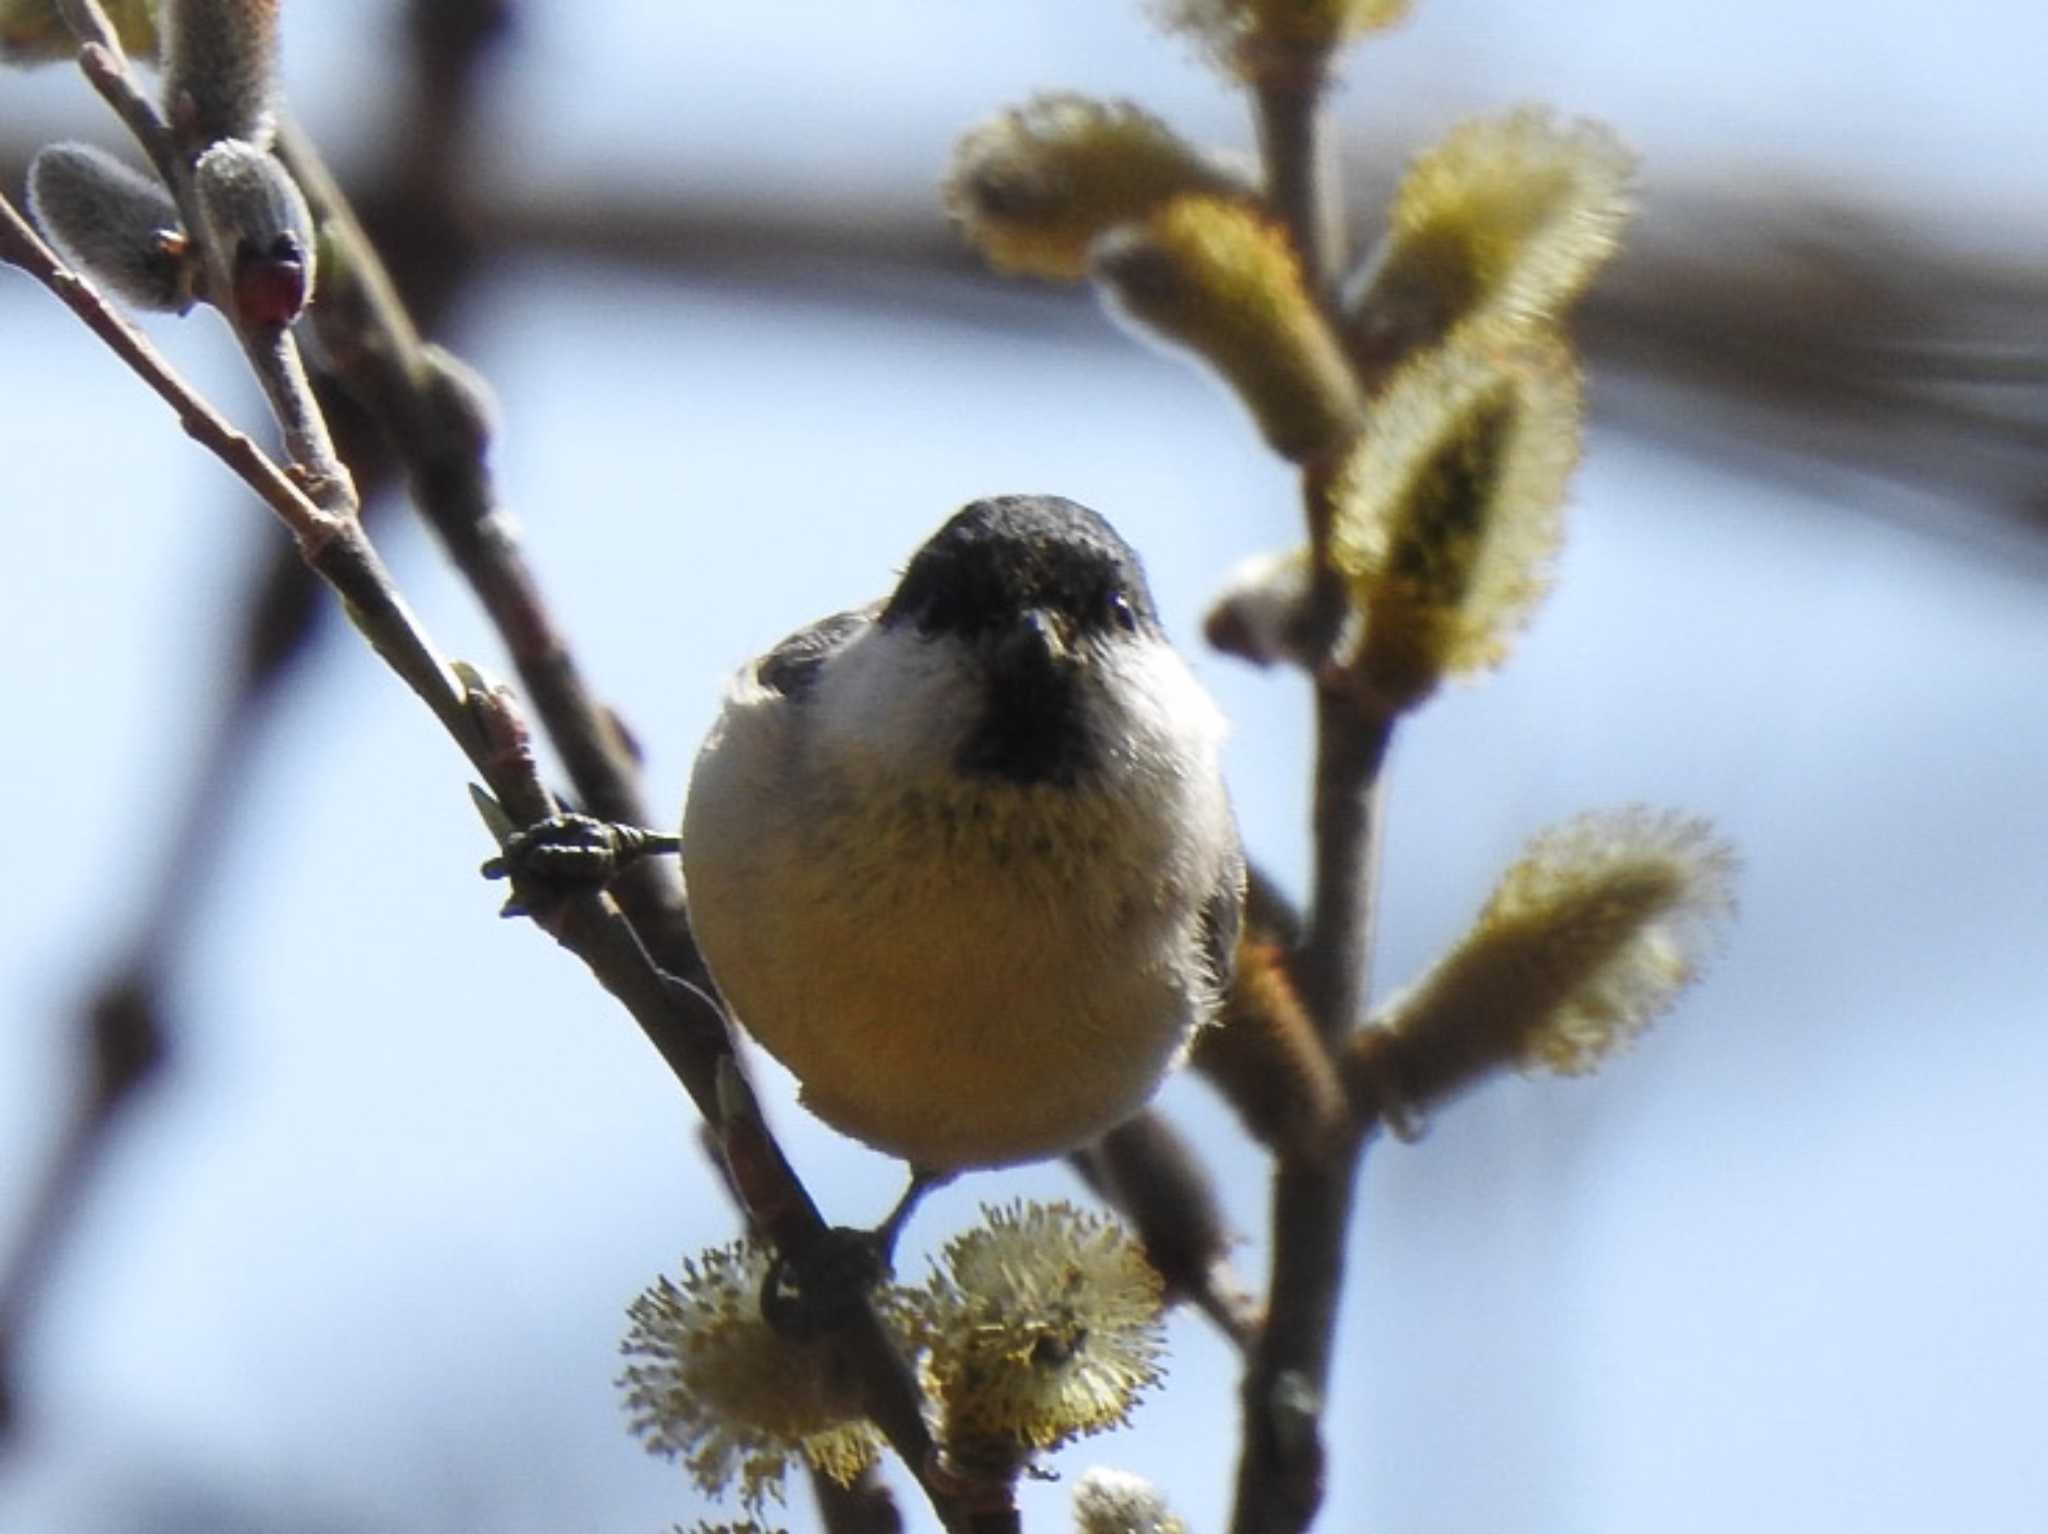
(951, 1030)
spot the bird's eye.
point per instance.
(1121, 613)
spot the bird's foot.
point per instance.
(802, 1297)
(822, 1290)
(571, 854)
(922, 1181)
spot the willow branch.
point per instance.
(435, 424)
(1299, 156)
(1156, 1178)
(311, 525)
(1333, 965)
(106, 66)
(679, 1019)
(121, 1044)
(1281, 1474)
(439, 429)
(122, 1033)
(867, 1506)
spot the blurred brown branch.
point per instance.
(1791, 329)
(1773, 337)
(1778, 334)
(1764, 335)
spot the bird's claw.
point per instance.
(819, 1292)
(571, 854)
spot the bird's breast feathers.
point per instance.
(882, 922)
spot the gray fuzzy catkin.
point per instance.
(220, 69)
(252, 209)
(115, 222)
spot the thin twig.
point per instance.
(1156, 1178)
(1333, 965)
(867, 1506)
(331, 543)
(272, 353)
(89, 24)
(106, 66)
(122, 1044)
(591, 925)
(1280, 1482)
(439, 431)
(309, 524)
(274, 358)
(285, 609)
(1281, 1476)
(441, 435)
(1296, 149)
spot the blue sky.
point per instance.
(366, 1251)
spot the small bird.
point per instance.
(963, 860)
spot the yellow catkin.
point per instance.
(1044, 1326)
(1587, 939)
(32, 31)
(714, 1386)
(1242, 36)
(1034, 187)
(1222, 279)
(1446, 515)
(1503, 222)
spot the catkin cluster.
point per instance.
(222, 220)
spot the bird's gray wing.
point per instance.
(792, 667)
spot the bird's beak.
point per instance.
(1035, 647)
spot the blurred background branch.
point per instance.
(1807, 327)
(1797, 328)
(432, 1250)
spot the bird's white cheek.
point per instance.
(893, 699)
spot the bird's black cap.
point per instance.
(998, 558)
